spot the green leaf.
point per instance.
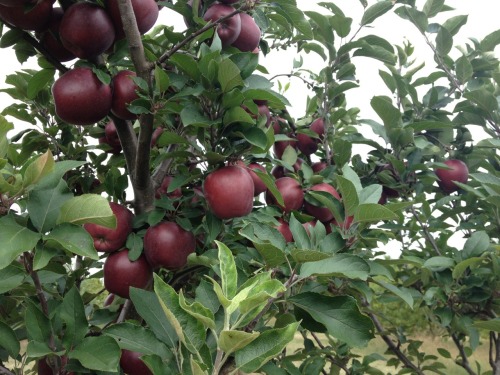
(339, 265)
(268, 241)
(401, 292)
(229, 75)
(454, 24)
(418, 18)
(340, 315)
(460, 268)
(433, 7)
(39, 81)
(100, 353)
(463, 69)
(228, 273)
(476, 244)
(389, 114)
(53, 179)
(74, 239)
(297, 18)
(349, 194)
(299, 233)
(444, 41)
(490, 325)
(490, 41)
(170, 138)
(136, 338)
(9, 340)
(147, 305)
(370, 212)
(189, 330)
(37, 324)
(12, 276)
(162, 82)
(264, 348)
(72, 313)
(341, 151)
(16, 239)
(370, 194)
(237, 115)
(191, 115)
(87, 208)
(438, 263)
(483, 98)
(231, 341)
(39, 168)
(375, 11)
(255, 137)
(198, 311)
(270, 185)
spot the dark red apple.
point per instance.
(162, 189)
(344, 225)
(280, 146)
(111, 138)
(50, 39)
(230, 29)
(285, 231)
(124, 92)
(45, 369)
(131, 363)
(458, 172)
(167, 245)
(229, 192)
(35, 18)
(258, 184)
(319, 166)
(145, 11)
(81, 98)
(109, 299)
(278, 171)
(108, 239)
(249, 37)
(308, 145)
(120, 273)
(321, 213)
(86, 30)
(291, 191)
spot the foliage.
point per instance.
(246, 293)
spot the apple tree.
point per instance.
(161, 212)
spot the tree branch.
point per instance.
(128, 140)
(494, 353)
(334, 360)
(38, 46)
(428, 235)
(465, 360)
(5, 371)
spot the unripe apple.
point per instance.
(229, 192)
(167, 245)
(291, 191)
(86, 30)
(36, 18)
(81, 98)
(124, 92)
(50, 38)
(131, 363)
(120, 273)
(321, 213)
(458, 172)
(108, 239)
(249, 37)
(145, 11)
(228, 30)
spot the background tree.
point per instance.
(167, 165)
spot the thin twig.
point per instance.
(334, 360)
(5, 371)
(124, 312)
(40, 48)
(428, 235)
(464, 362)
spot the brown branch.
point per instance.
(334, 360)
(40, 48)
(393, 347)
(5, 371)
(494, 353)
(127, 306)
(428, 235)
(463, 355)
(128, 140)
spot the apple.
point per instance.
(321, 213)
(120, 273)
(80, 97)
(280, 146)
(146, 13)
(45, 369)
(277, 123)
(249, 37)
(167, 245)
(131, 363)
(162, 189)
(50, 39)
(458, 172)
(124, 92)
(111, 138)
(291, 191)
(258, 184)
(308, 145)
(109, 299)
(86, 30)
(285, 231)
(308, 225)
(108, 239)
(319, 166)
(188, 21)
(344, 225)
(229, 192)
(36, 19)
(15, 3)
(279, 171)
(230, 29)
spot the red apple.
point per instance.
(285, 231)
(278, 171)
(319, 166)
(124, 92)
(45, 369)
(145, 11)
(167, 245)
(229, 192)
(120, 273)
(162, 189)
(35, 18)
(50, 39)
(280, 146)
(131, 363)
(249, 37)
(228, 30)
(291, 191)
(458, 172)
(321, 213)
(81, 98)
(258, 184)
(344, 225)
(111, 138)
(308, 225)
(108, 239)
(86, 30)
(308, 145)
(109, 299)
